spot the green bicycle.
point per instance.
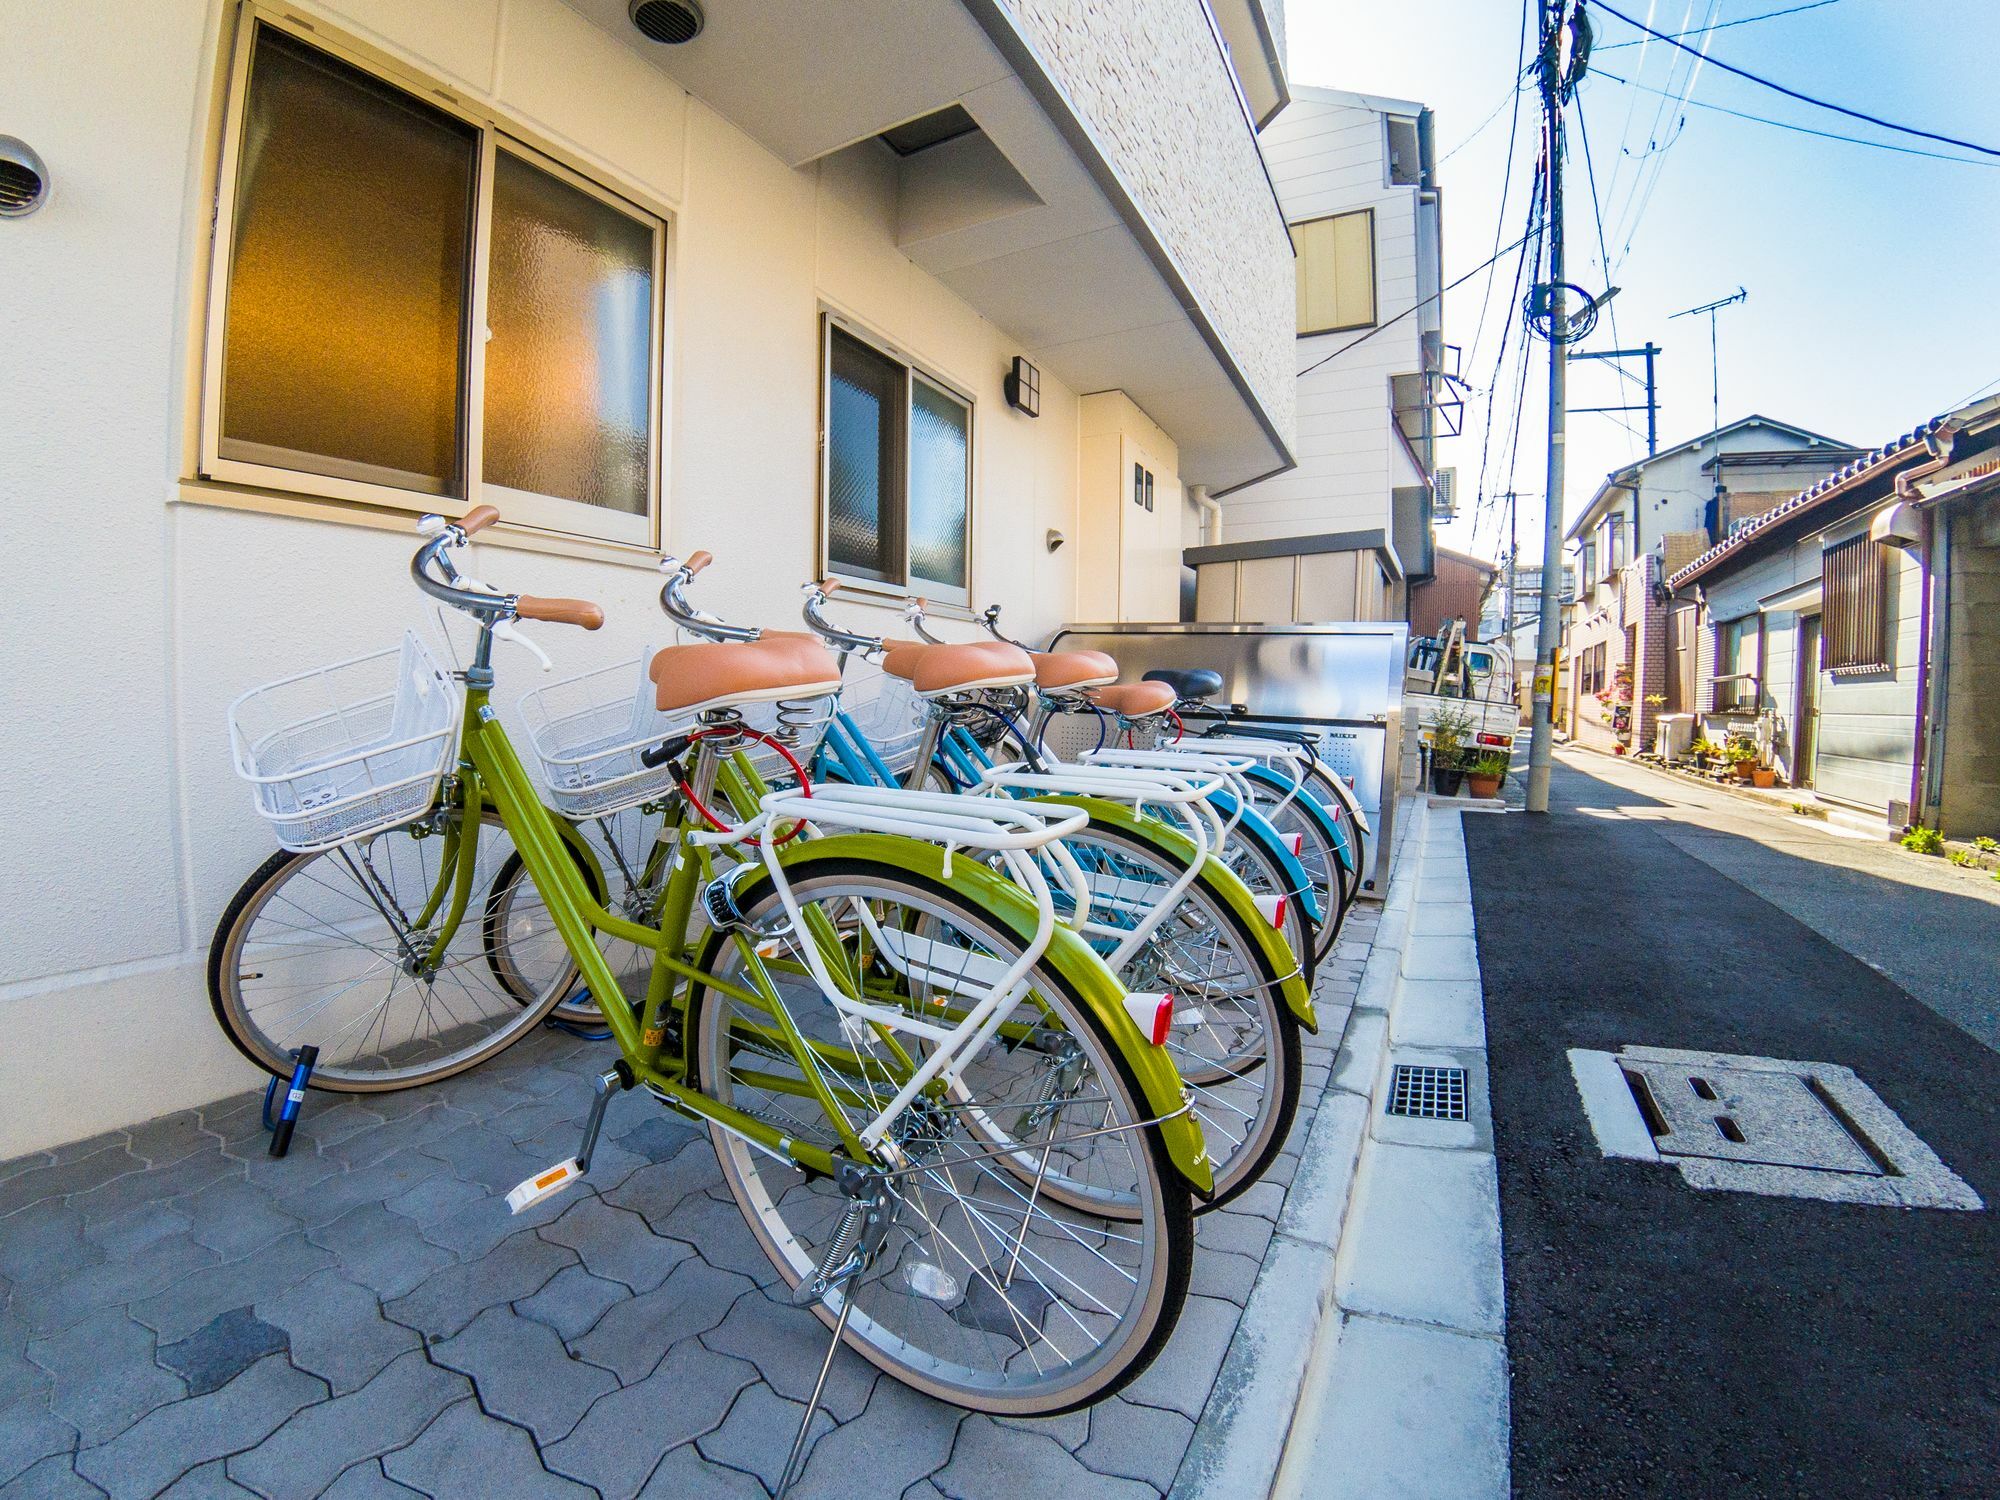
(927, 1096)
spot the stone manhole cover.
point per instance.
(1743, 1114)
(1761, 1125)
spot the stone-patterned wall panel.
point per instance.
(1149, 79)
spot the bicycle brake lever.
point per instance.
(504, 630)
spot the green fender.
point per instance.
(1221, 882)
(1073, 958)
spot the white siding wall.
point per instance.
(1330, 158)
(133, 617)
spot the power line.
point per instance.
(1643, 188)
(1791, 93)
(1825, 135)
(1406, 312)
(1506, 185)
(1769, 15)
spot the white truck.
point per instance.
(1446, 673)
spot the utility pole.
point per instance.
(1649, 352)
(1507, 618)
(1554, 20)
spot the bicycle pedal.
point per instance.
(544, 1185)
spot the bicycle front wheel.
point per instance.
(351, 950)
(985, 1292)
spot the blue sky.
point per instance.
(1872, 303)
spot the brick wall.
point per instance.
(1645, 608)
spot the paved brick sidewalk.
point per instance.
(179, 1313)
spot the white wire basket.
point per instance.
(885, 711)
(346, 751)
(588, 733)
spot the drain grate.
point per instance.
(1426, 1093)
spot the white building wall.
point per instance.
(1328, 157)
(140, 603)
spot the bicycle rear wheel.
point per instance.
(339, 949)
(1239, 1051)
(984, 1291)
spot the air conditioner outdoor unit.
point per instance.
(1444, 497)
(1674, 733)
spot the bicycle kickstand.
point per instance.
(851, 1249)
(563, 1173)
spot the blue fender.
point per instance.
(1328, 825)
(1257, 828)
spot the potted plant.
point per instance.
(1742, 758)
(1703, 750)
(1483, 776)
(1764, 776)
(1451, 733)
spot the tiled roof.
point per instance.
(1840, 479)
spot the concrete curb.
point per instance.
(1241, 1443)
(1372, 1357)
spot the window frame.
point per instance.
(1737, 695)
(1846, 618)
(570, 520)
(914, 369)
(1374, 301)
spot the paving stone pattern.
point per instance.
(181, 1314)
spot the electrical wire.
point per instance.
(1651, 172)
(1803, 98)
(1414, 306)
(1825, 135)
(1506, 188)
(1769, 15)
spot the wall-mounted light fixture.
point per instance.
(24, 181)
(1023, 387)
(1055, 539)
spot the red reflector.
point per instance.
(1163, 1021)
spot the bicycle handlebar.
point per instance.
(990, 618)
(489, 606)
(690, 618)
(826, 630)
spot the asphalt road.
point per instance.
(1675, 1342)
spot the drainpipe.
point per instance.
(1939, 443)
(1211, 514)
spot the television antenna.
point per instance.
(1714, 359)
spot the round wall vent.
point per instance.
(669, 22)
(24, 181)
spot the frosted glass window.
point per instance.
(410, 303)
(865, 396)
(344, 343)
(898, 472)
(1335, 261)
(940, 449)
(569, 352)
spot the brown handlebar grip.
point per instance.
(829, 584)
(699, 561)
(560, 611)
(477, 519)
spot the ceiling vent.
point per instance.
(24, 181)
(668, 22)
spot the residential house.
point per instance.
(951, 297)
(1459, 588)
(1345, 534)
(1849, 631)
(1645, 521)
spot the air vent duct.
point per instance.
(24, 181)
(668, 22)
